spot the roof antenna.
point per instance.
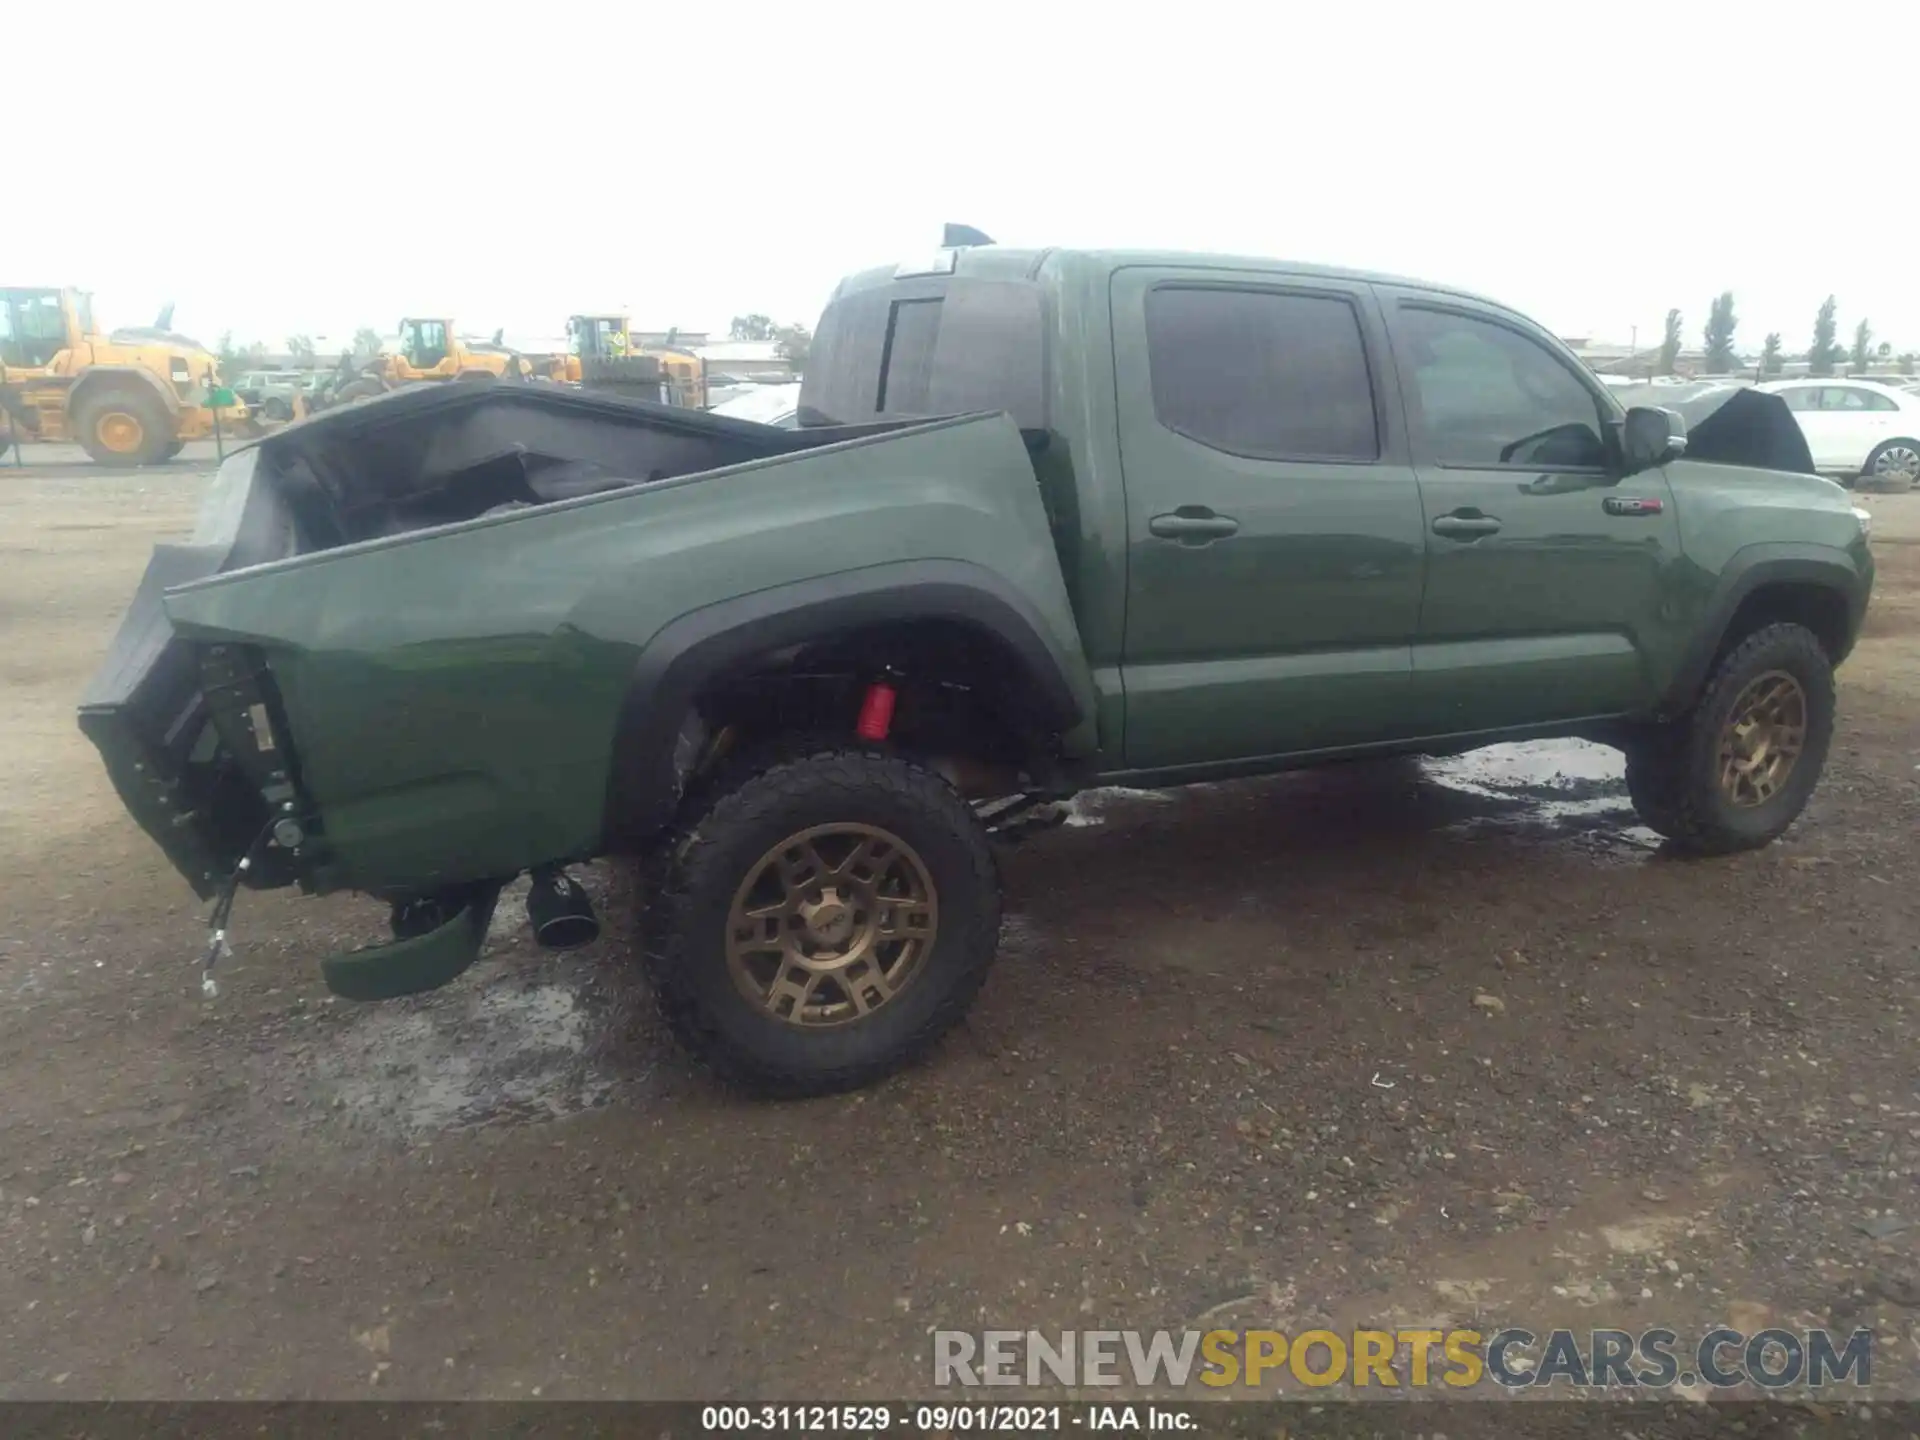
(957, 235)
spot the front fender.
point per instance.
(1769, 563)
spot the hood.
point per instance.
(1731, 424)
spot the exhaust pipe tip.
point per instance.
(559, 910)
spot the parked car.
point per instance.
(1857, 429)
(1057, 519)
(764, 405)
(271, 392)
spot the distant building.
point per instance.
(678, 339)
(746, 359)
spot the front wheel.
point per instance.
(1737, 769)
(823, 920)
(124, 427)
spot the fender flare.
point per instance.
(96, 376)
(643, 787)
(1750, 569)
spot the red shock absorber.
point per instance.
(876, 712)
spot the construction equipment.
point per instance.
(604, 357)
(428, 349)
(132, 397)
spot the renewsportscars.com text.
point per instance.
(1515, 1358)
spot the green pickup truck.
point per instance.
(1050, 520)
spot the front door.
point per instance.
(1548, 574)
(1274, 532)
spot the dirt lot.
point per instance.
(1406, 1042)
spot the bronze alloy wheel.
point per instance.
(1762, 739)
(831, 924)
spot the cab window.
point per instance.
(426, 343)
(1487, 397)
(35, 327)
(1269, 374)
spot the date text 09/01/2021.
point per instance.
(941, 1418)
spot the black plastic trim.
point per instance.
(643, 788)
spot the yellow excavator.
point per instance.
(428, 349)
(131, 397)
(603, 357)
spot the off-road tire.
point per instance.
(156, 426)
(1671, 768)
(731, 825)
(173, 450)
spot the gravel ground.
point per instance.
(1387, 1044)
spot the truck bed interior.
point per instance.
(441, 454)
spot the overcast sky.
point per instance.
(283, 169)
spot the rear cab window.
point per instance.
(918, 345)
(1265, 374)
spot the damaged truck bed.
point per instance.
(424, 644)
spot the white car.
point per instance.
(1856, 427)
(765, 405)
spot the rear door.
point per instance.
(1804, 402)
(1547, 573)
(1821, 411)
(1274, 530)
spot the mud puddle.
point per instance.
(1571, 789)
(479, 1057)
(527, 1036)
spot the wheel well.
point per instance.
(1819, 608)
(964, 698)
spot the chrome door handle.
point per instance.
(1192, 525)
(1465, 527)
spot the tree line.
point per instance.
(1822, 356)
(793, 340)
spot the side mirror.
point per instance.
(1652, 436)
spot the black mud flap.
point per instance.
(418, 962)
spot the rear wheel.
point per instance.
(1737, 770)
(124, 427)
(174, 450)
(822, 920)
(1894, 466)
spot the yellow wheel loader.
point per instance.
(604, 357)
(132, 397)
(428, 350)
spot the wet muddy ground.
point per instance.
(1430, 1041)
